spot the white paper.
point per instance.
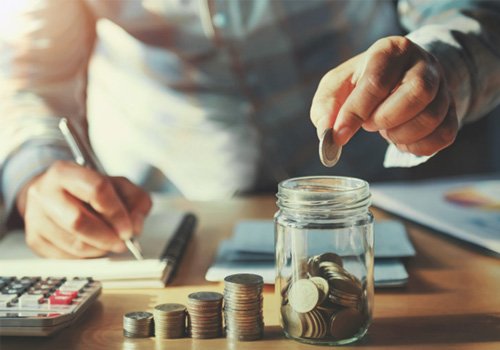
(425, 202)
(16, 259)
(394, 158)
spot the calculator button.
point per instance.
(60, 300)
(75, 285)
(10, 291)
(6, 299)
(27, 300)
(72, 294)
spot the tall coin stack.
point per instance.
(205, 315)
(170, 321)
(243, 307)
(138, 324)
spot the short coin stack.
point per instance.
(205, 315)
(243, 307)
(138, 324)
(170, 321)
(328, 304)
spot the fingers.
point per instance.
(68, 245)
(97, 190)
(45, 248)
(137, 201)
(422, 124)
(417, 90)
(440, 138)
(333, 90)
(74, 219)
(385, 64)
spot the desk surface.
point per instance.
(451, 302)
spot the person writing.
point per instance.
(213, 98)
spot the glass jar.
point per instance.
(324, 259)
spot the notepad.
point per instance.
(251, 250)
(114, 270)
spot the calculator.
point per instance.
(35, 306)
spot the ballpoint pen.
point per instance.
(84, 156)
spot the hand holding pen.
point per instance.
(73, 211)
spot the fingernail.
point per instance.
(125, 231)
(342, 136)
(119, 247)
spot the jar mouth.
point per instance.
(337, 192)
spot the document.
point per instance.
(251, 250)
(115, 270)
(467, 208)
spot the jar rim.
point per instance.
(339, 191)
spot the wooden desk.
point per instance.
(451, 302)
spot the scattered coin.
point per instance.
(329, 151)
(138, 324)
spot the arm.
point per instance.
(69, 211)
(46, 47)
(416, 90)
(464, 36)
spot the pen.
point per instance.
(84, 156)
(174, 250)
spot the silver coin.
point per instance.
(139, 315)
(246, 279)
(205, 297)
(329, 151)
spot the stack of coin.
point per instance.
(329, 304)
(205, 315)
(138, 324)
(170, 321)
(243, 307)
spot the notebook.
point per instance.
(115, 270)
(251, 250)
(467, 208)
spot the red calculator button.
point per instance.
(60, 300)
(72, 294)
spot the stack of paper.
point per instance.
(467, 208)
(251, 249)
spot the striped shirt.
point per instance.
(213, 94)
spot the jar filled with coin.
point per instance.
(324, 257)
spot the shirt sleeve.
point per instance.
(464, 35)
(44, 51)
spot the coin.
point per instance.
(322, 286)
(303, 295)
(205, 315)
(138, 324)
(346, 323)
(243, 307)
(331, 257)
(170, 320)
(329, 151)
(245, 279)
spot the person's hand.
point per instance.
(396, 88)
(73, 212)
